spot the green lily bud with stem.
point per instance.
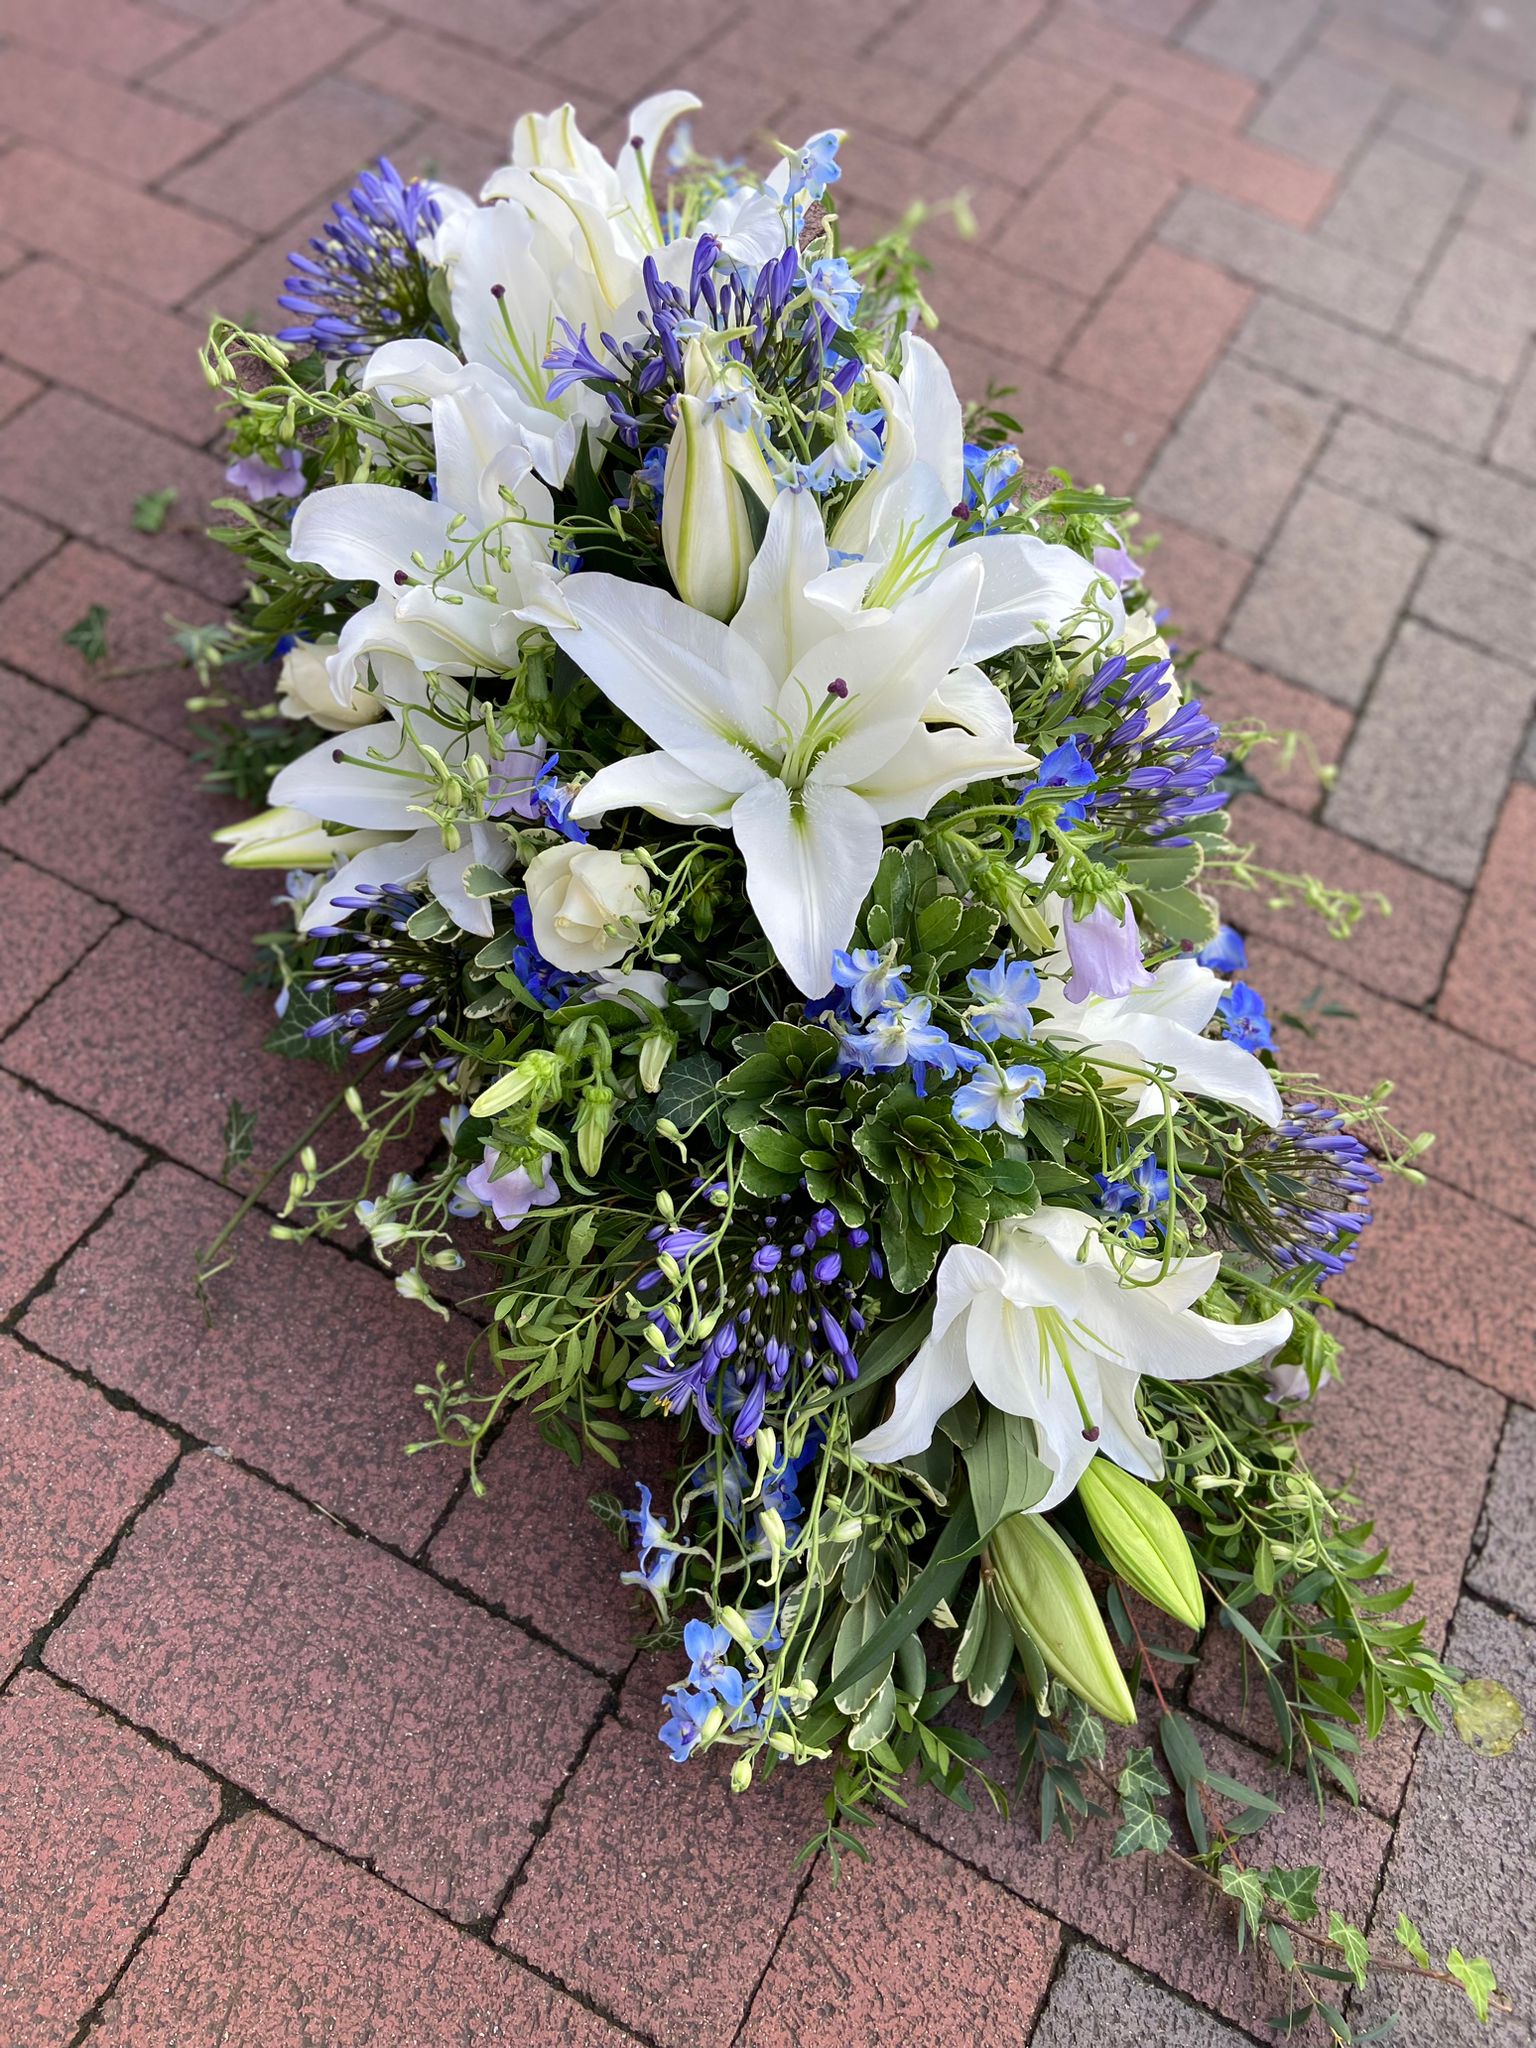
(1042, 1588)
(1140, 1537)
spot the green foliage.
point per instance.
(88, 635)
(151, 511)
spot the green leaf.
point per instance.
(1488, 1717)
(1247, 1887)
(1185, 1757)
(1475, 1978)
(935, 1582)
(1294, 1891)
(775, 1148)
(1409, 1937)
(1085, 1733)
(1005, 1474)
(1141, 1829)
(1140, 1778)
(1182, 914)
(689, 1093)
(150, 511)
(239, 1137)
(88, 635)
(1357, 1951)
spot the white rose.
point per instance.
(586, 902)
(304, 691)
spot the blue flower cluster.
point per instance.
(788, 1303)
(387, 987)
(365, 281)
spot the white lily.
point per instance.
(1044, 1325)
(1159, 1026)
(802, 728)
(450, 571)
(903, 514)
(380, 780)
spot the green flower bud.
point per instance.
(536, 1074)
(1140, 1535)
(656, 1050)
(593, 1116)
(741, 1774)
(1042, 1588)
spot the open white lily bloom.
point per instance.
(1031, 588)
(1159, 1026)
(802, 728)
(379, 779)
(1043, 1325)
(450, 571)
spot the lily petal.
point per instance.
(363, 533)
(658, 784)
(810, 861)
(1030, 589)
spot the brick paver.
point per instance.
(1272, 264)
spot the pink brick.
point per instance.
(16, 390)
(1021, 117)
(959, 1943)
(1415, 1444)
(994, 304)
(1449, 1279)
(1085, 217)
(76, 462)
(269, 1926)
(1099, 439)
(74, 1468)
(47, 927)
(1082, 36)
(568, 1586)
(477, 89)
(892, 99)
(498, 25)
(301, 1361)
(61, 1172)
(81, 332)
(612, 45)
(109, 127)
(1493, 101)
(1480, 1103)
(151, 820)
(160, 250)
(1231, 691)
(35, 722)
(262, 57)
(101, 1039)
(1196, 578)
(1490, 986)
(139, 680)
(1198, 150)
(623, 1898)
(342, 1687)
(1155, 336)
(881, 177)
(122, 39)
(24, 542)
(1144, 1907)
(288, 158)
(94, 1830)
(1402, 955)
(956, 40)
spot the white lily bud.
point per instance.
(706, 534)
(286, 838)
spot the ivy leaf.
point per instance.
(1141, 1829)
(1409, 1937)
(89, 635)
(690, 1091)
(151, 511)
(1247, 1887)
(1139, 1778)
(1475, 1978)
(1294, 1891)
(239, 1138)
(1357, 1953)
(1085, 1733)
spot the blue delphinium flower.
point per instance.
(687, 1713)
(815, 166)
(1134, 1196)
(365, 282)
(1003, 995)
(902, 1036)
(553, 799)
(1244, 1020)
(709, 1648)
(1226, 953)
(656, 1550)
(873, 979)
(834, 288)
(1065, 767)
(988, 474)
(996, 1098)
(545, 982)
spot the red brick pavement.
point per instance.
(1273, 260)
